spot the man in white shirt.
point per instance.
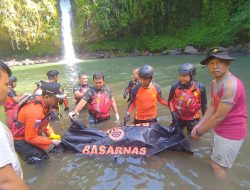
(10, 169)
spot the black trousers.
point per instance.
(30, 153)
(188, 123)
(150, 121)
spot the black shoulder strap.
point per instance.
(134, 92)
(28, 99)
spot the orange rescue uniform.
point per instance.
(31, 115)
(145, 100)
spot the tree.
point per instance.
(29, 21)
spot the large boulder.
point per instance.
(191, 50)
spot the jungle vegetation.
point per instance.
(32, 27)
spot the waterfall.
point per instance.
(68, 49)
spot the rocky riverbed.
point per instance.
(190, 50)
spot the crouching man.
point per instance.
(32, 123)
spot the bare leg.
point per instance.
(219, 171)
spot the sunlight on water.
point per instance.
(69, 54)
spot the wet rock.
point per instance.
(190, 50)
(164, 52)
(174, 51)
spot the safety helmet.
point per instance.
(146, 71)
(187, 69)
(12, 79)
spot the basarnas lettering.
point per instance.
(112, 150)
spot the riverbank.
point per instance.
(188, 50)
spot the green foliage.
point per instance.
(158, 25)
(29, 21)
(124, 25)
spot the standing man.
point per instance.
(187, 98)
(53, 77)
(81, 88)
(144, 97)
(32, 123)
(227, 113)
(99, 100)
(132, 83)
(10, 169)
(12, 98)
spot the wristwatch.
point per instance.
(198, 133)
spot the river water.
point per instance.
(167, 170)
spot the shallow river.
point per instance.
(168, 170)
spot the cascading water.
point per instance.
(69, 54)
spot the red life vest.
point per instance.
(187, 103)
(17, 128)
(9, 105)
(100, 105)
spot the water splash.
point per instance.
(69, 54)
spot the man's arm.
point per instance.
(31, 129)
(114, 105)
(203, 98)
(80, 105)
(211, 119)
(9, 180)
(19, 98)
(159, 96)
(78, 94)
(215, 119)
(162, 101)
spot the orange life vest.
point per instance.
(18, 128)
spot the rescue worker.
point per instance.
(144, 97)
(132, 83)
(187, 98)
(53, 77)
(99, 100)
(11, 174)
(55, 112)
(32, 121)
(81, 88)
(227, 113)
(38, 91)
(12, 98)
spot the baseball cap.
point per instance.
(52, 73)
(54, 89)
(218, 52)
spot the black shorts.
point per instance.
(30, 153)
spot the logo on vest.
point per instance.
(115, 134)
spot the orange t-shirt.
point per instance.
(145, 102)
(29, 115)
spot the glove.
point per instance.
(54, 136)
(72, 114)
(56, 142)
(125, 95)
(174, 116)
(117, 118)
(126, 117)
(66, 109)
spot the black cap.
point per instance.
(54, 89)
(218, 52)
(12, 78)
(52, 73)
